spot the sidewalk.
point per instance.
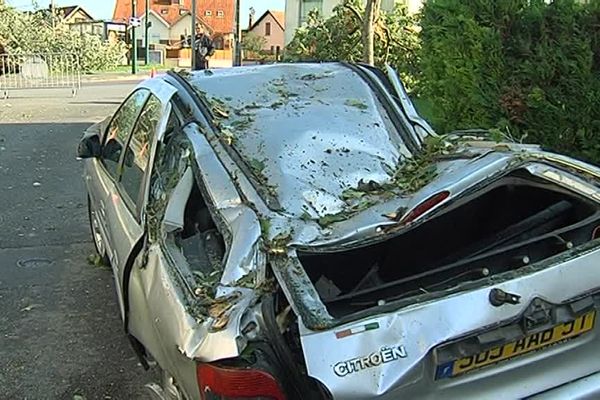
(142, 73)
(117, 76)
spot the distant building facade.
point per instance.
(171, 19)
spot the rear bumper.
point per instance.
(584, 388)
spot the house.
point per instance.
(78, 19)
(171, 19)
(296, 11)
(271, 27)
(72, 14)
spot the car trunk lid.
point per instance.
(442, 347)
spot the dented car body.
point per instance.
(299, 231)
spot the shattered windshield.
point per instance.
(308, 132)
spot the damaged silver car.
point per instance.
(298, 231)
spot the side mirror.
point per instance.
(89, 147)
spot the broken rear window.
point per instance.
(513, 223)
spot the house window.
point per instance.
(208, 13)
(268, 29)
(164, 11)
(306, 6)
(220, 14)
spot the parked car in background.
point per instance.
(298, 231)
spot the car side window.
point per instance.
(119, 130)
(201, 241)
(137, 156)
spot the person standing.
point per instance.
(204, 48)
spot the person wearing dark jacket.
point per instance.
(204, 48)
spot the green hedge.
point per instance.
(527, 67)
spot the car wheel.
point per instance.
(97, 235)
(166, 390)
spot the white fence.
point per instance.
(39, 71)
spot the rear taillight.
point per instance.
(425, 206)
(216, 382)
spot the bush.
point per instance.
(527, 66)
(23, 33)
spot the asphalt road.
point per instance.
(61, 336)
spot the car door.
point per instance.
(102, 173)
(125, 198)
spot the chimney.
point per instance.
(251, 17)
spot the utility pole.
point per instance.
(133, 41)
(147, 29)
(238, 36)
(193, 41)
(52, 13)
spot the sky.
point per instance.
(103, 9)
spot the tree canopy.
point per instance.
(34, 32)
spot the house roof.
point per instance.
(173, 13)
(158, 17)
(278, 16)
(66, 12)
(199, 20)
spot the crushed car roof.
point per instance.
(307, 132)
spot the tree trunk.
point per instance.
(368, 32)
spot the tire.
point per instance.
(97, 235)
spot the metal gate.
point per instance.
(39, 71)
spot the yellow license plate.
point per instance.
(524, 345)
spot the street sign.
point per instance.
(135, 22)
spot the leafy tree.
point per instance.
(23, 33)
(253, 43)
(340, 38)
